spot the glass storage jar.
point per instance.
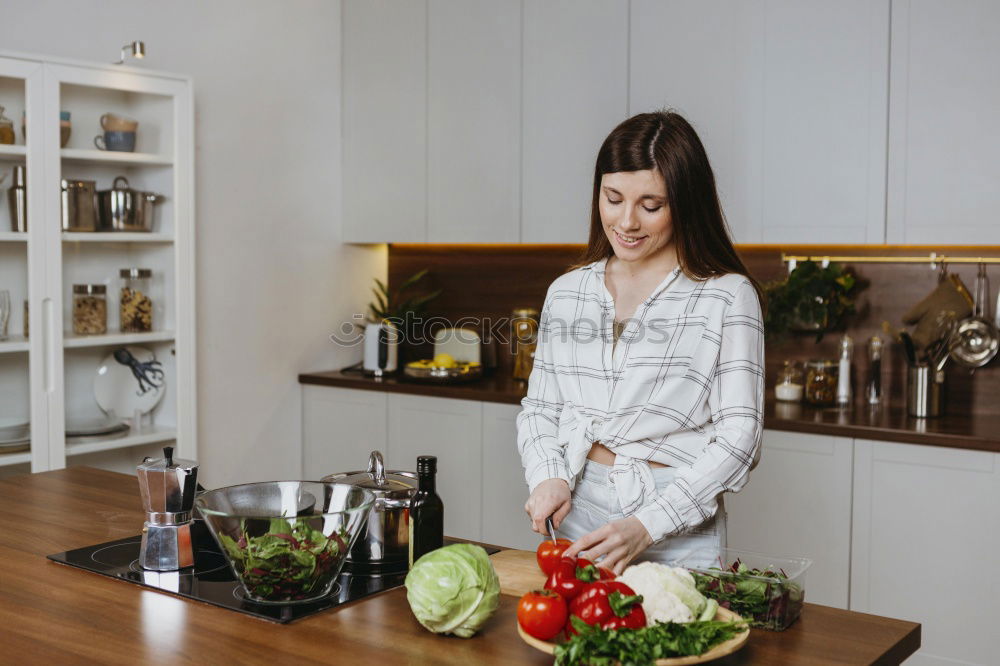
(6, 128)
(789, 386)
(90, 309)
(821, 382)
(135, 304)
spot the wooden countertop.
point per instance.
(57, 614)
(889, 422)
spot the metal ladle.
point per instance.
(977, 339)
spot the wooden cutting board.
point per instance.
(518, 571)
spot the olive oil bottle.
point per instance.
(426, 511)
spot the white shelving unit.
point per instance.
(47, 377)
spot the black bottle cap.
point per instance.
(427, 464)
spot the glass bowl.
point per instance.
(286, 541)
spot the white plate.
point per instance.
(120, 392)
(92, 425)
(17, 441)
(13, 429)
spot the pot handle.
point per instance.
(376, 467)
(114, 185)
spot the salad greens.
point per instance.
(639, 647)
(763, 597)
(289, 562)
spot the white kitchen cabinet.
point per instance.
(452, 431)
(384, 121)
(504, 490)
(943, 141)
(789, 98)
(798, 504)
(49, 376)
(474, 121)
(575, 84)
(699, 59)
(926, 535)
(340, 429)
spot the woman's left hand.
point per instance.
(619, 542)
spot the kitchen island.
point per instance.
(57, 614)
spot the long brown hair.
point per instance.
(664, 141)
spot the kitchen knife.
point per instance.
(552, 530)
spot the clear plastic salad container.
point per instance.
(767, 591)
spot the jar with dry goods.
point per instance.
(821, 382)
(6, 128)
(90, 309)
(135, 301)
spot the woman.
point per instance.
(645, 400)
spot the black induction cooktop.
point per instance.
(212, 581)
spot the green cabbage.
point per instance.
(453, 590)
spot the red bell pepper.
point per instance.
(570, 576)
(608, 604)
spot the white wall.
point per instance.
(273, 279)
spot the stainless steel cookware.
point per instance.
(385, 542)
(78, 206)
(123, 209)
(17, 197)
(167, 486)
(977, 339)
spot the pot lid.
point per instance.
(391, 484)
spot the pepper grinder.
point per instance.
(168, 487)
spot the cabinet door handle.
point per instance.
(48, 335)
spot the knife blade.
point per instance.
(552, 530)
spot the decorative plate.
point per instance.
(129, 379)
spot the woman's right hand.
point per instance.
(550, 498)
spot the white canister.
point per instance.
(381, 348)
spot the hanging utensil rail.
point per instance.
(933, 259)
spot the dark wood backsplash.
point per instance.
(489, 281)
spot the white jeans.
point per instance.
(595, 503)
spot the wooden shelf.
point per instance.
(14, 343)
(14, 236)
(15, 458)
(115, 237)
(150, 435)
(12, 153)
(76, 342)
(83, 156)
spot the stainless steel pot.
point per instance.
(123, 209)
(385, 543)
(77, 198)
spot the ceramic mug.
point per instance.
(123, 142)
(112, 123)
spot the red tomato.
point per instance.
(609, 605)
(549, 554)
(570, 576)
(542, 614)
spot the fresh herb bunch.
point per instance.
(811, 298)
(287, 562)
(640, 647)
(763, 597)
(393, 306)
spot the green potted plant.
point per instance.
(392, 318)
(394, 306)
(812, 299)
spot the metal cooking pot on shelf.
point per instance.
(384, 545)
(123, 209)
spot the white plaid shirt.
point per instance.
(684, 386)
